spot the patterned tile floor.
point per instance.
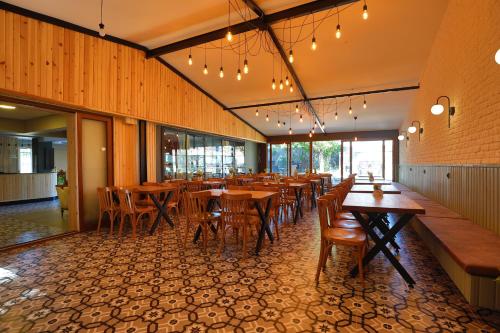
(93, 283)
(22, 223)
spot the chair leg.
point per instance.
(134, 221)
(111, 222)
(101, 213)
(361, 251)
(205, 236)
(244, 241)
(188, 225)
(122, 221)
(320, 261)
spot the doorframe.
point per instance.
(109, 158)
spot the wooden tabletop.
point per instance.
(214, 182)
(256, 195)
(375, 181)
(297, 184)
(389, 189)
(389, 203)
(150, 188)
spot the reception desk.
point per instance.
(27, 186)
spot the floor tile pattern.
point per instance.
(95, 283)
(22, 223)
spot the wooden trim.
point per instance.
(310, 156)
(143, 159)
(383, 159)
(341, 159)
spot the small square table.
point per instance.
(387, 189)
(376, 208)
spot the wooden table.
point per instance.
(375, 181)
(154, 192)
(213, 184)
(314, 185)
(298, 188)
(387, 189)
(376, 208)
(257, 198)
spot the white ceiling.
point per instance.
(389, 49)
(22, 112)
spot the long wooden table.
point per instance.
(155, 192)
(388, 189)
(375, 181)
(376, 209)
(257, 197)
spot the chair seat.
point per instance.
(346, 224)
(345, 215)
(345, 236)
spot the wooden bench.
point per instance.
(469, 253)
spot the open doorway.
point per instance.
(37, 173)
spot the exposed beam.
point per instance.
(358, 93)
(260, 22)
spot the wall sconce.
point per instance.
(437, 109)
(413, 129)
(403, 137)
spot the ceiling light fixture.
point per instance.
(364, 102)
(365, 11)
(437, 109)
(314, 45)
(205, 68)
(257, 112)
(290, 54)
(338, 33)
(7, 107)
(229, 35)
(413, 129)
(221, 71)
(102, 33)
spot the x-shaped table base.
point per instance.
(162, 210)
(298, 205)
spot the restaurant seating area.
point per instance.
(250, 166)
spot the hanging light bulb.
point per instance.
(312, 130)
(314, 126)
(238, 75)
(310, 134)
(365, 12)
(245, 66)
(190, 59)
(364, 103)
(336, 116)
(273, 85)
(290, 131)
(323, 125)
(205, 69)
(267, 117)
(290, 56)
(291, 87)
(314, 46)
(279, 124)
(102, 33)
(287, 81)
(257, 112)
(301, 120)
(221, 72)
(350, 110)
(355, 138)
(296, 108)
(338, 33)
(229, 36)
(281, 84)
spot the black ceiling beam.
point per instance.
(358, 93)
(261, 22)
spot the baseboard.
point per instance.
(20, 202)
(37, 241)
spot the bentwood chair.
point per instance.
(235, 215)
(331, 235)
(194, 186)
(240, 187)
(198, 215)
(135, 213)
(107, 206)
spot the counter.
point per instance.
(27, 186)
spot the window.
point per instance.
(174, 155)
(227, 156)
(239, 155)
(25, 160)
(326, 157)
(268, 164)
(300, 157)
(280, 159)
(195, 154)
(367, 157)
(388, 160)
(213, 158)
(346, 159)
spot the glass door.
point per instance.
(367, 156)
(300, 157)
(195, 145)
(213, 151)
(326, 157)
(279, 159)
(174, 155)
(228, 156)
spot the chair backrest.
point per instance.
(216, 179)
(234, 208)
(126, 201)
(333, 206)
(240, 187)
(194, 186)
(62, 195)
(196, 203)
(323, 214)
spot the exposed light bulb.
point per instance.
(281, 84)
(314, 126)
(238, 75)
(290, 131)
(190, 60)
(364, 104)
(290, 56)
(102, 33)
(355, 138)
(205, 69)
(497, 57)
(350, 110)
(323, 125)
(221, 72)
(279, 124)
(365, 12)
(296, 108)
(257, 113)
(310, 134)
(312, 131)
(291, 87)
(301, 120)
(287, 81)
(401, 137)
(229, 36)
(314, 46)
(336, 116)
(273, 85)
(267, 117)
(437, 109)
(412, 129)
(245, 66)
(338, 33)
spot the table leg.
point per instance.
(379, 222)
(298, 206)
(264, 226)
(210, 206)
(322, 186)
(380, 245)
(313, 195)
(162, 211)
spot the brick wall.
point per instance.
(461, 65)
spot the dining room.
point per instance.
(250, 166)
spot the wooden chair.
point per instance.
(107, 206)
(194, 186)
(197, 214)
(275, 206)
(287, 201)
(334, 202)
(235, 215)
(330, 235)
(129, 209)
(240, 187)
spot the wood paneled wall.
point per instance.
(125, 152)
(46, 61)
(152, 151)
(27, 186)
(472, 191)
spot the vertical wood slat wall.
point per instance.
(473, 191)
(125, 152)
(46, 61)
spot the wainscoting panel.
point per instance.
(470, 190)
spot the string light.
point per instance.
(336, 109)
(257, 112)
(310, 134)
(273, 85)
(338, 33)
(245, 66)
(229, 35)
(350, 107)
(314, 46)
(287, 81)
(267, 117)
(364, 102)
(291, 87)
(238, 75)
(301, 120)
(336, 116)
(290, 131)
(221, 72)
(355, 118)
(205, 68)
(281, 84)
(365, 11)
(102, 33)
(290, 56)
(323, 125)
(190, 58)
(296, 108)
